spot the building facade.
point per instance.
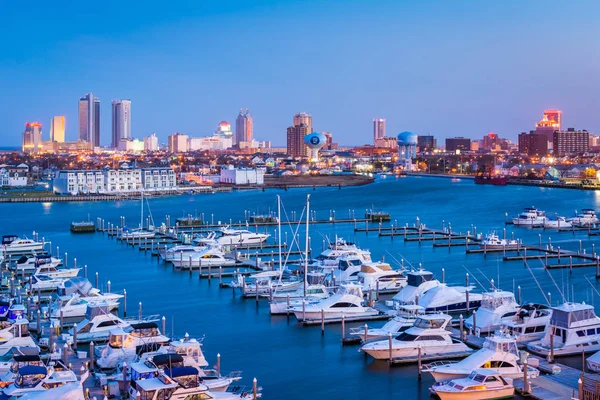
(57, 129)
(178, 143)
(303, 118)
(242, 176)
(533, 144)
(426, 143)
(378, 129)
(570, 142)
(32, 138)
(458, 144)
(244, 127)
(14, 175)
(295, 140)
(89, 119)
(121, 121)
(151, 143)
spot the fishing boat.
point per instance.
(492, 241)
(529, 323)
(573, 328)
(240, 237)
(498, 353)
(557, 222)
(481, 384)
(32, 379)
(347, 301)
(56, 272)
(405, 318)
(19, 361)
(267, 282)
(67, 391)
(180, 252)
(417, 283)
(12, 244)
(282, 301)
(530, 217)
(429, 334)
(348, 268)
(450, 299)
(29, 263)
(379, 276)
(497, 308)
(586, 218)
(208, 257)
(330, 257)
(45, 283)
(15, 335)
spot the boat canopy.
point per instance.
(26, 358)
(181, 371)
(144, 325)
(96, 309)
(565, 318)
(32, 370)
(76, 285)
(8, 239)
(417, 277)
(167, 359)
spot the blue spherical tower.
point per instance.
(407, 150)
(315, 141)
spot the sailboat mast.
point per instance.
(279, 229)
(142, 212)
(306, 243)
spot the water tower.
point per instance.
(315, 141)
(407, 150)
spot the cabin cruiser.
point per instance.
(347, 301)
(529, 323)
(180, 252)
(330, 257)
(492, 241)
(593, 362)
(138, 233)
(557, 223)
(429, 333)
(348, 268)
(75, 306)
(12, 244)
(29, 263)
(208, 257)
(530, 217)
(406, 317)
(499, 353)
(15, 335)
(98, 324)
(381, 277)
(18, 361)
(314, 292)
(497, 308)
(45, 283)
(574, 327)
(267, 282)
(239, 237)
(56, 272)
(449, 299)
(586, 218)
(68, 391)
(32, 379)
(480, 384)
(417, 283)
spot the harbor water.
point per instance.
(290, 361)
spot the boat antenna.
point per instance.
(592, 285)
(556, 285)
(474, 277)
(306, 243)
(537, 283)
(394, 258)
(486, 278)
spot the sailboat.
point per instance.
(139, 233)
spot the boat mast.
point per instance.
(279, 231)
(142, 212)
(306, 243)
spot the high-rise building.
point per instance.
(426, 143)
(244, 127)
(178, 143)
(378, 128)
(303, 118)
(533, 144)
(570, 142)
(458, 143)
(32, 137)
(151, 143)
(121, 121)
(295, 140)
(551, 122)
(89, 119)
(57, 129)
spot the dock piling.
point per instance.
(389, 346)
(140, 311)
(124, 303)
(519, 294)
(322, 322)
(97, 280)
(461, 325)
(163, 321)
(108, 287)
(92, 355)
(419, 363)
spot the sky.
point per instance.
(448, 68)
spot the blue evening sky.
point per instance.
(452, 68)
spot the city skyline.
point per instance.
(471, 93)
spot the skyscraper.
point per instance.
(303, 118)
(378, 128)
(57, 129)
(121, 121)
(244, 126)
(32, 137)
(551, 122)
(89, 119)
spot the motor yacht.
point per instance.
(55, 272)
(586, 218)
(479, 385)
(593, 362)
(18, 361)
(15, 335)
(347, 301)
(429, 333)
(239, 237)
(379, 276)
(12, 244)
(45, 283)
(180, 252)
(492, 241)
(530, 217)
(125, 344)
(268, 282)
(529, 323)
(449, 299)
(74, 306)
(348, 268)
(406, 317)
(497, 308)
(68, 391)
(138, 233)
(417, 283)
(32, 379)
(330, 257)
(284, 300)
(208, 257)
(499, 353)
(29, 263)
(573, 327)
(557, 222)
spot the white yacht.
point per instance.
(267, 282)
(19, 361)
(74, 306)
(29, 263)
(417, 283)
(12, 244)
(347, 301)
(330, 257)
(593, 362)
(14, 335)
(68, 391)
(492, 241)
(530, 217)
(499, 353)
(138, 233)
(210, 256)
(45, 283)
(529, 323)
(497, 308)
(240, 237)
(348, 268)
(98, 323)
(380, 276)
(449, 299)
(314, 292)
(557, 223)
(406, 317)
(56, 272)
(125, 344)
(33, 379)
(586, 218)
(574, 327)
(481, 384)
(180, 252)
(429, 333)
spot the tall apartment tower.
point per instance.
(295, 135)
(378, 128)
(57, 129)
(303, 118)
(32, 137)
(89, 119)
(244, 127)
(121, 121)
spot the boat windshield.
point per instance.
(427, 323)
(28, 381)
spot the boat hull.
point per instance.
(383, 353)
(478, 395)
(313, 315)
(562, 351)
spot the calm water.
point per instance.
(290, 361)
